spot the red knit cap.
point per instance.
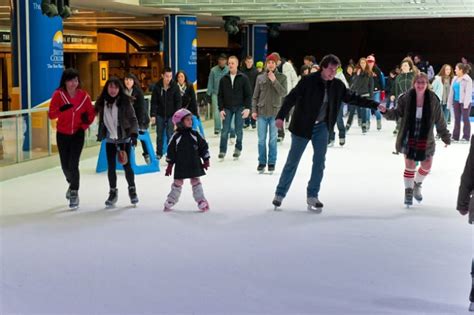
(272, 57)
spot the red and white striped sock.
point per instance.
(409, 178)
(421, 174)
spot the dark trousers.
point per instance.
(111, 150)
(340, 126)
(461, 114)
(70, 149)
(163, 124)
(145, 149)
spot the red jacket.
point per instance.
(70, 120)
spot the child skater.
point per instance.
(189, 152)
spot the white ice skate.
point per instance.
(314, 205)
(203, 206)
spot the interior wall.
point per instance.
(439, 40)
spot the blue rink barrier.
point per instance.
(154, 166)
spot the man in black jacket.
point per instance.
(165, 101)
(317, 99)
(251, 72)
(235, 100)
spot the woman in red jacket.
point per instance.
(73, 108)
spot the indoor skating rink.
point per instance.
(365, 254)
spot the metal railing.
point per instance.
(29, 133)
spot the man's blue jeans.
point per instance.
(266, 125)
(230, 114)
(319, 140)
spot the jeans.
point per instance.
(163, 124)
(362, 113)
(461, 113)
(340, 126)
(216, 114)
(266, 124)
(230, 115)
(319, 141)
(378, 115)
(111, 151)
(70, 149)
(446, 112)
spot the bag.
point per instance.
(122, 157)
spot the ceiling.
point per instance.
(294, 11)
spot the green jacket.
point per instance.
(215, 77)
(268, 95)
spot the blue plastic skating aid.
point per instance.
(154, 166)
(197, 125)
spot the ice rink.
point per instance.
(365, 254)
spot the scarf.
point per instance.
(417, 144)
(111, 120)
(182, 88)
(109, 100)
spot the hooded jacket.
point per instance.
(403, 83)
(127, 121)
(465, 92)
(215, 76)
(165, 103)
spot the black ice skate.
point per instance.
(342, 141)
(113, 197)
(132, 192)
(277, 200)
(271, 168)
(236, 154)
(314, 205)
(68, 193)
(408, 197)
(73, 200)
(261, 168)
(417, 192)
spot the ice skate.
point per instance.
(331, 144)
(379, 125)
(342, 141)
(168, 206)
(73, 200)
(203, 206)
(417, 192)
(113, 197)
(236, 154)
(271, 168)
(221, 156)
(277, 200)
(147, 158)
(261, 168)
(471, 307)
(348, 126)
(314, 205)
(132, 193)
(408, 197)
(68, 193)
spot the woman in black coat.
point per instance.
(118, 126)
(188, 95)
(133, 89)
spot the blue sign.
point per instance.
(41, 53)
(187, 47)
(260, 42)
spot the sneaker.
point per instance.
(342, 141)
(132, 193)
(331, 143)
(417, 192)
(236, 154)
(113, 197)
(74, 200)
(271, 168)
(147, 158)
(221, 155)
(261, 168)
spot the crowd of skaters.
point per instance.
(264, 96)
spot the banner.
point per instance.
(259, 42)
(44, 55)
(186, 49)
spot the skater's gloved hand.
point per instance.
(85, 117)
(279, 123)
(169, 169)
(463, 211)
(254, 116)
(65, 107)
(141, 132)
(134, 140)
(206, 164)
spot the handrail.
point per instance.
(24, 111)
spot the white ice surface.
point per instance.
(366, 254)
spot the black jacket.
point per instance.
(165, 103)
(363, 83)
(127, 121)
(377, 74)
(237, 96)
(185, 150)
(189, 100)
(141, 108)
(252, 74)
(307, 97)
(466, 189)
